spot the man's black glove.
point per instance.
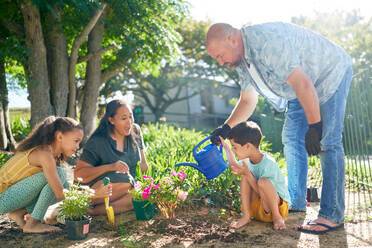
(313, 137)
(221, 131)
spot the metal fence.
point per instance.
(357, 142)
(358, 145)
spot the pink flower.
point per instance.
(137, 185)
(169, 180)
(146, 192)
(147, 177)
(181, 175)
(183, 195)
(156, 186)
(173, 173)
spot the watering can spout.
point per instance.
(210, 161)
(195, 166)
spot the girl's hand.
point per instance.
(103, 191)
(121, 167)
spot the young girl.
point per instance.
(113, 151)
(32, 180)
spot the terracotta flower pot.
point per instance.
(78, 229)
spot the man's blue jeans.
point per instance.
(332, 202)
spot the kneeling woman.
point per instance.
(113, 150)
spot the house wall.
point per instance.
(178, 112)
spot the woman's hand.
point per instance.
(121, 167)
(103, 191)
(144, 166)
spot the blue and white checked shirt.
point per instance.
(274, 50)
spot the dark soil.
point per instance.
(189, 229)
(200, 230)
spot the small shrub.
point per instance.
(167, 145)
(20, 128)
(76, 202)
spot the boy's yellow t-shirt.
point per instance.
(17, 169)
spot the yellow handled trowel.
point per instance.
(109, 209)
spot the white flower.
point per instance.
(85, 187)
(80, 179)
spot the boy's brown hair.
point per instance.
(246, 132)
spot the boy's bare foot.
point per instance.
(35, 226)
(18, 216)
(241, 222)
(279, 224)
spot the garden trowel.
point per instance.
(109, 209)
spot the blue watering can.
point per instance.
(210, 160)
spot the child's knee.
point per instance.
(263, 182)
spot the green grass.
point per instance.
(19, 122)
(19, 113)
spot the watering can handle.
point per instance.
(201, 142)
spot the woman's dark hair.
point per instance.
(44, 133)
(105, 127)
(246, 132)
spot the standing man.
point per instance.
(308, 76)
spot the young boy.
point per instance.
(264, 193)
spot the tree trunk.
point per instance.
(3, 137)
(79, 40)
(57, 63)
(93, 80)
(6, 136)
(37, 85)
(158, 113)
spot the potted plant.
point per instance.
(73, 210)
(142, 202)
(168, 192)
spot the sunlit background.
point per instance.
(241, 12)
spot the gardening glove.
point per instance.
(313, 137)
(221, 131)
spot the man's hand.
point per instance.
(313, 137)
(221, 131)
